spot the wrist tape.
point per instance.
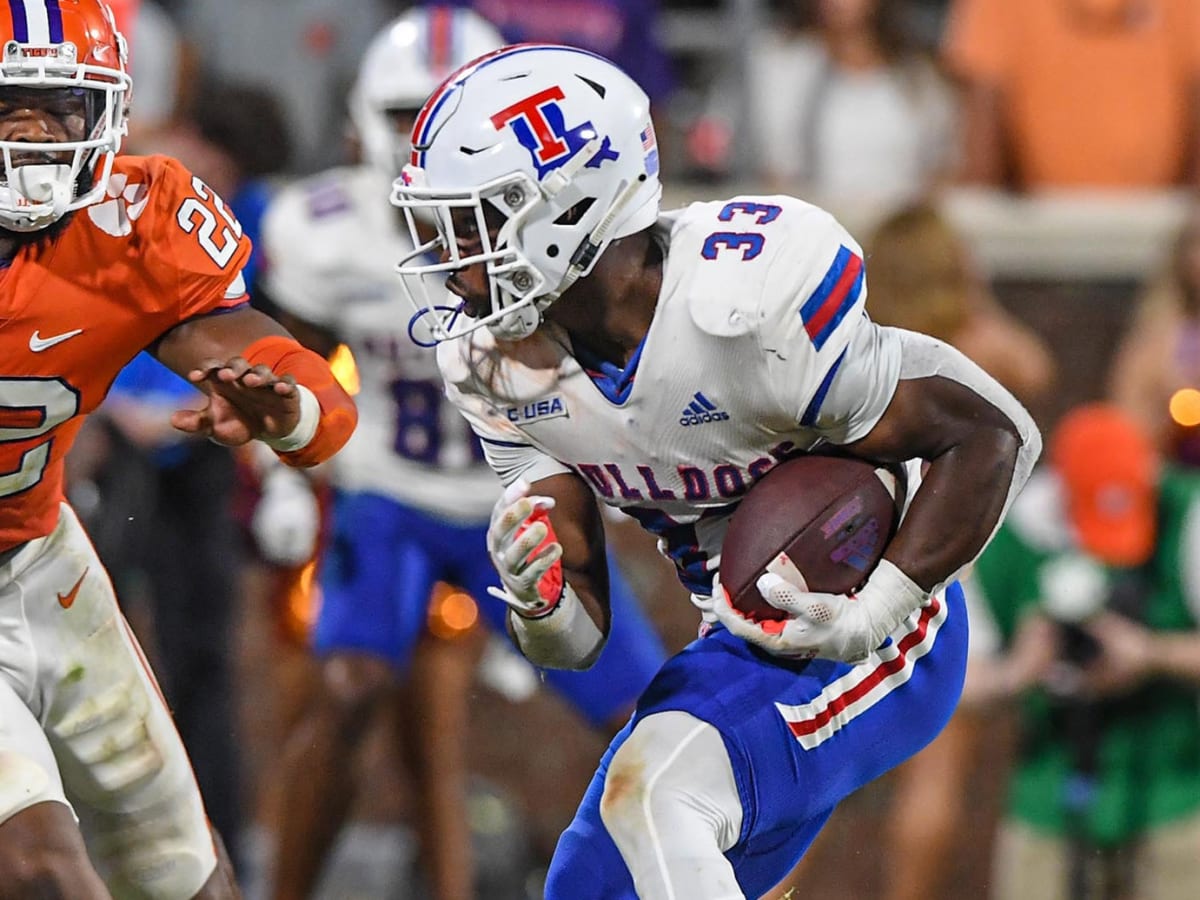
(306, 426)
(566, 638)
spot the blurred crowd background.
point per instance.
(1022, 175)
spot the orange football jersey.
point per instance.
(159, 249)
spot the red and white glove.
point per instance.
(846, 627)
(525, 552)
(528, 556)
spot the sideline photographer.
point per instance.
(1092, 587)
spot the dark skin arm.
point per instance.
(316, 338)
(967, 441)
(972, 449)
(580, 530)
(244, 402)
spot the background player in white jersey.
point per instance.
(414, 494)
(589, 327)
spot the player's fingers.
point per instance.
(782, 594)
(511, 518)
(192, 421)
(739, 626)
(204, 369)
(516, 555)
(515, 492)
(233, 369)
(257, 376)
(542, 561)
(230, 432)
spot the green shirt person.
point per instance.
(1092, 587)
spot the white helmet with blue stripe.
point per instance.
(557, 141)
(402, 66)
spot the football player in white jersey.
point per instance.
(413, 492)
(661, 363)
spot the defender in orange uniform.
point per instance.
(101, 257)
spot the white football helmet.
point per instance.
(71, 47)
(559, 142)
(402, 66)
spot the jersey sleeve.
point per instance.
(198, 245)
(508, 452)
(506, 448)
(828, 366)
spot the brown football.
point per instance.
(821, 522)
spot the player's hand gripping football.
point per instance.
(525, 552)
(244, 403)
(846, 627)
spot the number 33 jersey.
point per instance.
(160, 248)
(759, 348)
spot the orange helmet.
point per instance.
(73, 47)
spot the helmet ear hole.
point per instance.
(576, 212)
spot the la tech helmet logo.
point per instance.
(540, 127)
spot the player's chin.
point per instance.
(474, 303)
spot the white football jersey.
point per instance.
(332, 242)
(760, 348)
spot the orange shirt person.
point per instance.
(1078, 93)
(101, 257)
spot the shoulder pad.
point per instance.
(752, 254)
(129, 190)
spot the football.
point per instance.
(820, 522)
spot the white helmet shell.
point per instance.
(403, 65)
(560, 142)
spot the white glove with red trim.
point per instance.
(525, 552)
(846, 627)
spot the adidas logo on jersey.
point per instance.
(701, 411)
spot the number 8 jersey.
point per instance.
(331, 243)
(159, 249)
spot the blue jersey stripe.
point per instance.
(814, 405)
(834, 296)
(496, 443)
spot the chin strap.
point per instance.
(585, 253)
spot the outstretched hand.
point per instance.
(244, 403)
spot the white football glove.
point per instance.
(287, 518)
(830, 626)
(525, 552)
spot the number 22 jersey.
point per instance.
(159, 249)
